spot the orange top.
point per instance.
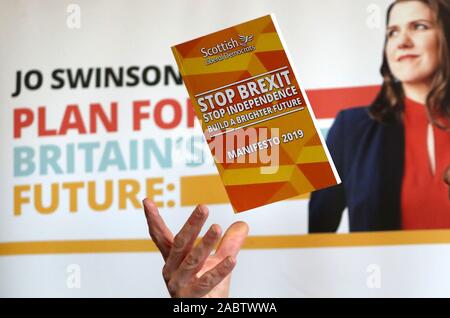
(425, 201)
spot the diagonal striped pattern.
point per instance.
(297, 166)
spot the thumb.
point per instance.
(232, 241)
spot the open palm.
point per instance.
(190, 270)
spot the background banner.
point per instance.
(94, 117)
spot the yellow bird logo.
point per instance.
(245, 39)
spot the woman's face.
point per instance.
(412, 43)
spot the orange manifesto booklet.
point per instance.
(255, 114)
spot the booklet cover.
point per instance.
(255, 114)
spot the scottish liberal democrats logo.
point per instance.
(227, 49)
(245, 39)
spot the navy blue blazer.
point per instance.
(369, 157)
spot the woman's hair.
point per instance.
(388, 105)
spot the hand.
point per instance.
(191, 271)
(447, 179)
